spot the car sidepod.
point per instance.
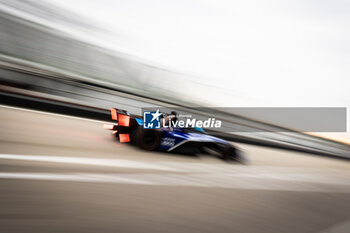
(178, 141)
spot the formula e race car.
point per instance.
(129, 129)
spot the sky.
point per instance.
(264, 53)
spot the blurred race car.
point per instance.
(129, 129)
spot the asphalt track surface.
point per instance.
(66, 174)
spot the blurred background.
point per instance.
(79, 58)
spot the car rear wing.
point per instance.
(125, 124)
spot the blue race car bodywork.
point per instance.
(177, 140)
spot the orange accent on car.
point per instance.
(124, 137)
(124, 120)
(114, 114)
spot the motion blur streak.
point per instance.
(62, 174)
(71, 177)
(235, 180)
(96, 162)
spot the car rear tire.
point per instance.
(148, 139)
